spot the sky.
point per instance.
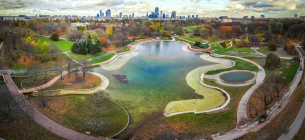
(203, 8)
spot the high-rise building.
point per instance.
(252, 17)
(164, 15)
(295, 16)
(262, 16)
(189, 16)
(156, 12)
(147, 15)
(100, 13)
(245, 17)
(174, 15)
(193, 16)
(132, 15)
(121, 14)
(161, 14)
(197, 16)
(108, 13)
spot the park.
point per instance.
(149, 79)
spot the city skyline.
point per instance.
(203, 8)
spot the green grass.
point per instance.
(220, 50)
(190, 27)
(63, 45)
(102, 59)
(193, 39)
(124, 50)
(96, 66)
(239, 65)
(168, 38)
(212, 123)
(88, 56)
(81, 109)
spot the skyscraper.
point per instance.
(108, 13)
(132, 15)
(174, 15)
(100, 13)
(121, 14)
(156, 12)
(161, 14)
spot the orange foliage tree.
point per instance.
(224, 31)
(59, 30)
(151, 28)
(104, 42)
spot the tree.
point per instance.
(34, 70)
(272, 46)
(85, 67)
(104, 42)
(28, 49)
(42, 99)
(254, 40)
(151, 28)
(55, 36)
(234, 40)
(277, 82)
(27, 24)
(267, 36)
(20, 25)
(260, 36)
(59, 30)
(272, 61)
(12, 24)
(224, 31)
(8, 106)
(158, 27)
(109, 30)
(290, 47)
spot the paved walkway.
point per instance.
(2, 66)
(272, 115)
(242, 106)
(263, 55)
(296, 125)
(42, 119)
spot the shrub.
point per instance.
(55, 36)
(45, 57)
(296, 59)
(240, 44)
(197, 43)
(234, 40)
(272, 61)
(272, 46)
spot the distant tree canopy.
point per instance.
(54, 36)
(85, 47)
(272, 61)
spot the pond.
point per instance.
(156, 76)
(239, 76)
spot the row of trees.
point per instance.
(85, 47)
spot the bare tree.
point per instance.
(85, 67)
(42, 99)
(277, 82)
(8, 106)
(28, 49)
(34, 71)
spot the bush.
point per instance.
(272, 61)
(296, 59)
(272, 46)
(55, 36)
(197, 43)
(45, 57)
(240, 44)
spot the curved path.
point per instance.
(42, 119)
(242, 106)
(296, 125)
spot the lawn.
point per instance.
(239, 65)
(168, 38)
(88, 56)
(190, 27)
(265, 50)
(63, 45)
(287, 68)
(102, 59)
(124, 50)
(193, 39)
(77, 112)
(220, 50)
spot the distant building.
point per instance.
(223, 17)
(161, 14)
(245, 17)
(197, 16)
(174, 15)
(226, 20)
(156, 12)
(302, 17)
(193, 16)
(295, 16)
(120, 15)
(132, 15)
(189, 16)
(164, 15)
(252, 17)
(262, 16)
(98, 15)
(22, 15)
(108, 13)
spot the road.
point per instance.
(296, 125)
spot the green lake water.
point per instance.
(156, 76)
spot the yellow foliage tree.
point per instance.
(28, 40)
(27, 24)
(109, 30)
(246, 41)
(20, 25)
(234, 40)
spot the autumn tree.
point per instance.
(59, 30)
(224, 31)
(55, 36)
(85, 67)
(290, 47)
(28, 49)
(272, 61)
(151, 28)
(234, 40)
(104, 42)
(27, 24)
(272, 46)
(20, 25)
(109, 30)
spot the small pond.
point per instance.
(237, 76)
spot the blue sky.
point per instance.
(203, 8)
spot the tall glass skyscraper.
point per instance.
(156, 12)
(108, 13)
